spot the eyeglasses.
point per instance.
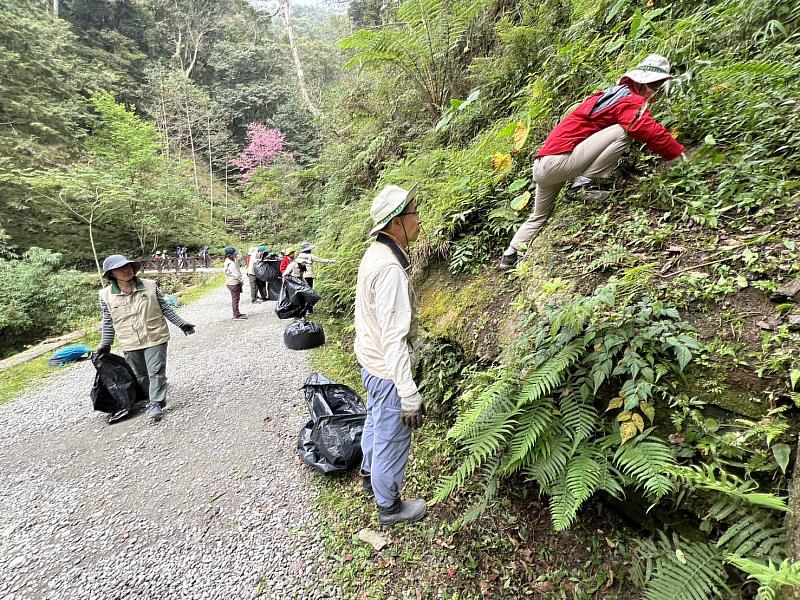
(407, 213)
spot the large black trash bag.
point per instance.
(267, 270)
(295, 299)
(303, 335)
(331, 441)
(115, 388)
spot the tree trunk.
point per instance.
(191, 147)
(301, 77)
(56, 8)
(225, 216)
(90, 221)
(210, 168)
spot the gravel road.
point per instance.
(209, 503)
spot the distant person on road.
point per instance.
(257, 287)
(305, 263)
(589, 142)
(288, 257)
(136, 312)
(206, 259)
(233, 280)
(387, 348)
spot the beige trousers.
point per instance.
(595, 157)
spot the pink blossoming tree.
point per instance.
(265, 146)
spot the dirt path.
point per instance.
(209, 503)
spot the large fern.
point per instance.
(680, 570)
(773, 578)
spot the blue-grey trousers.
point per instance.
(150, 367)
(385, 441)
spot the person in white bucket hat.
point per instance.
(387, 349)
(589, 142)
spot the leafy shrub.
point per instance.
(39, 298)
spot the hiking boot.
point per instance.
(582, 185)
(366, 482)
(508, 261)
(402, 511)
(241, 317)
(154, 412)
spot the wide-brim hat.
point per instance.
(653, 68)
(117, 261)
(306, 247)
(389, 203)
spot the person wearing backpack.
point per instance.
(589, 142)
(136, 313)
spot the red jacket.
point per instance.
(616, 105)
(285, 263)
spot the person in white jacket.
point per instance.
(387, 349)
(303, 265)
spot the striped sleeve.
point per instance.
(170, 314)
(107, 325)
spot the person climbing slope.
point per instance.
(136, 312)
(589, 142)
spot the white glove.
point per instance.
(411, 410)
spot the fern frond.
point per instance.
(754, 536)
(584, 475)
(647, 463)
(549, 462)
(686, 571)
(549, 375)
(468, 421)
(580, 419)
(704, 477)
(490, 483)
(772, 579)
(532, 424)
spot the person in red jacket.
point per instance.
(287, 258)
(589, 142)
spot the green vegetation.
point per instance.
(559, 379)
(635, 359)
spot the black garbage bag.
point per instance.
(295, 299)
(331, 441)
(115, 388)
(303, 335)
(267, 270)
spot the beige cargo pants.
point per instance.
(595, 157)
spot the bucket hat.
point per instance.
(117, 261)
(389, 203)
(653, 68)
(306, 247)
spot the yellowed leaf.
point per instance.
(521, 201)
(637, 420)
(501, 163)
(624, 416)
(520, 137)
(648, 410)
(627, 431)
(615, 403)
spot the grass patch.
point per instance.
(29, 375)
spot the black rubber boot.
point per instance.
(402, 511)
(366, 482)
(508, 261)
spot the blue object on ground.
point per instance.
(69, 354)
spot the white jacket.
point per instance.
(307, 260)
(233, 275)
(387, 345)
